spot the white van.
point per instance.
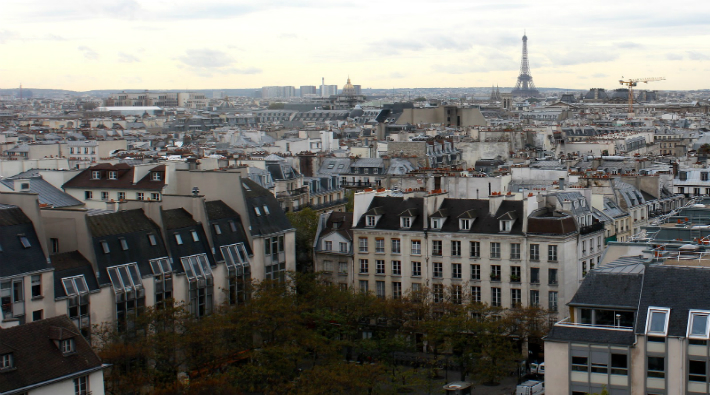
(530, 387)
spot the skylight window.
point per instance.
(125, 278)
(266, 210)
(195, 237)
(233, 226)
(698, 325)
(74, 286)
(235, 257)
(104, 247)
(217, 229)
(152, 240)
(160, 266)
(25, 242)
(657, 321)
(124, 244)
(178, 239)
(197, 267)
(257, 211)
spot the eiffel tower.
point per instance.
(525, 87)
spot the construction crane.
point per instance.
(631, 82)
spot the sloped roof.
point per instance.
(47, 193)
(177, 218)
(609, 289)
(12, 215)
(121, 222)
(70, 264)
(591, 335)
(257, 196)
(124, 178)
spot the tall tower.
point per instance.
(525, 86)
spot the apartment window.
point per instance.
(55, 245)
(475, 294)
(465, 224)
(438, 293)
(363, 244)
(396, 246)
(534, 298)
(327, 245)
(36, 283)
(495, 297)
(195, 237)
(178, 239)
(380, 289)
(698, 327)
(416, 247)
(495, 272)
(122, 196)
(455, 270)
(163, 279)
(657, 367)
(343, 247)
(416, 269)
(140, 196)
(364, 266)
(704, 176)
(81, 385)
(515, 297)
(580, 364)
(475, 249)
(406, 222)
(396, 268)
(380, 266)
(436, 247)
(620, 364)
(104, 195)
(552, 276)
(155, 176)
(201, 281)
(515, 274)
(396, 290)
(657, 321)
(88, 195)
(534, 252)
(124, 244)
(363, 286)
(438, 270)
(342, 268)
(534, 275)
(370, 221)
(37, 315)
(380, 246)
(515, 251)
(112, 175)
(697, 370)
(552, 253)
(552, 296)
(95, 175)
(495, 250)
(154, 196)
(436, 223)
(475, 272)
(456, 248)
(152, 240)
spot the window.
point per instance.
(95, 175)
(81, 385)
(88, 195)
(552, 296)
(327, 245)
(152, 240)
(552, 253)
(155, 176)
(552, 276)
(396, 268)
(37, 315)
(380, 246)
(534, 252)
(396, 246)
(465, 224)
(657, 321)
(697, 370)
(154, 196)
(343, 247)
(124, 244)
(112, 175)
(657, 367)
(232, 226)
(475, 294)
(495, 272)
(163, 279)
(74, 286)
(436, 223)
(515, 251)
(104, 247)
(416, 269)
(620, 364)
(104, 195)
(67, 346)
(370, 219)
(178, 239)
(257, 211)
(534, 298)
(140, 196)
(455, 248)
(456, 294)
(36, 283)
(342, 268)
(406, 222)
(416, 247)
(438, 293)
(455, 270)
(364, 266)
(55, 244)
(515, 274)
(195, 237)
(438, 269)
(580, 364)
(506, 226)
(363, 286)
(515, 297)
(436, 248)
(124, 278)
(380, 289)
(396, 290)
(363, 244)
(475, 249)
(495, 297)
(475, 272)
(380, 266)
(698, 327)
(495, 250)
(534, 275)
(122, 196)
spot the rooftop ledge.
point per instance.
(567, 323)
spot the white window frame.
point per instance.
(370, 221)
(155, 176)
(405, 222)
(112, 175)
(691, 316)
(654, 309)
(436, 223)
(465, 224)
(71, 285)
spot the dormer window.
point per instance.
(67, 346)
(112, 175)
(217, 229)
(698, 325)
(155, 176)
(465, 224)
(266, 210)
(506, 226)
(195, 238)
(406, 222)
(25, 242)
(95, 175)
(257, 211)
(436, 223)
(657, 321)
(370, 221)
(7, 362)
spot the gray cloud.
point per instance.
(452, 69)
(573, 58)
(674, 56)
(88, 53)
(127, 58)
(697, 56)
(629, 45)
(205, 62)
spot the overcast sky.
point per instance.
(206, 44)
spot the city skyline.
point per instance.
(134, 44)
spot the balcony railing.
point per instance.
(591, 228)
(566, 322)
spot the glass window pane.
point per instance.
(69, 286)
(155, 267)
(115, 279)
(81, 285)
(699, 325)
(133, 269)
(658, 321)
(125, 277)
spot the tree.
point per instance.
(277, 106)
(306, 223)
(350, 205)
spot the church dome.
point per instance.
(348, 88)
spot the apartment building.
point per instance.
(333, 248)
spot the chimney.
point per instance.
(494, 202)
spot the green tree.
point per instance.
(277, 106)
(306, 223)
(350, 205)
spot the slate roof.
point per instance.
(590, 335)
(15, 259)
(548, 221)
(609, 290)
(70, 264)
(13, 215)
(28, 341)
(391, 209)
(344, 221)
(47, 193)
(124, 179)
(219, 213)
(118, 223)
(180, 222)
(177, 218)
(264, 224)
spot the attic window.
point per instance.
(104, 247)
(217, 229)
(67, 346)
(332, 165)
(25, 242)
(112, 175)
(257, 211)
(436, 223)
(235, 257)
(95, 175)
(152, 240)
(370, 221)
(233, 226)
(506, 226)
(406, 222)
(266, 210)
(155, 176)
(178, 239)
(7, 362)
(195, 237)
(25, 186)
(125, 278)
(698, 325)
(74, 286)
(465, 224)
(657, 321)
(196, 267)
(124, 244)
